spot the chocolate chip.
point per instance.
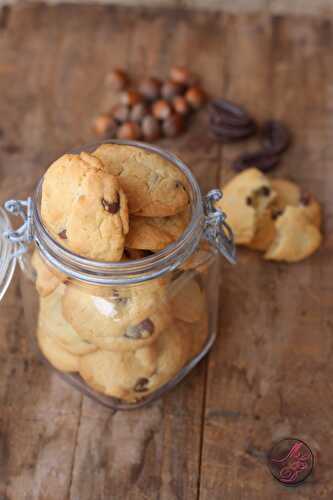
(178, 184)
(112, 207)
(63, 235)
(305, 199)
(141, 385)
(276, 137)
(276, 214)
(143, 329)
(249, 200)
(265, 191)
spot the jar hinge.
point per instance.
(24, 234)
(216, 230)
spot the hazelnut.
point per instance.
(161, 109)
(151, 128)
(138, 112)
(173, 125)
(105, 125)
(181, 75)
(118, 79)
(120, 113)
(150, 88)
(180, 105)
(170, 89)
(129, 131)
(196, 97)
(130, 97)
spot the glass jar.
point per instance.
(123, 333)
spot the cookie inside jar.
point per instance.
(126, 312)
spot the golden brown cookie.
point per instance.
(133, 375)
(52, 322)
(289, 193)
(128, 319)
(47, 277)
(175, 349)
(188, 300)
(118, 374)
(154, 187)
(245, 199)
(296, 236)
(85, 207)
(155, 233)
(199, 332)
(55, 353)
(265, 231)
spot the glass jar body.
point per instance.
(124, 345)
(124, 333)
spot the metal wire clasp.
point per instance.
(24, 234)
(216, 230)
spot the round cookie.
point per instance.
(133, 375)
(289, 193)
(264, 233)
(188, 301)
(47, 277)
(55, 353)
(155, 233)
(154, 186)
(52, 322)
(85, 208)
(118, 374)
(296, 236)
(175, 349)
(128, 319)
(200, 332)
(244, 199)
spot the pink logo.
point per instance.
(290, 461)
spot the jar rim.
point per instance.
(133, 271)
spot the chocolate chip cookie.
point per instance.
(188, 301)
(52, 322)
(118, 374)
(154, 187)
(47, 278)
(132, 375)
(128, 319)
(155, 233)
(55, 353)
(85, 207)
(245, 199)
(296, 236)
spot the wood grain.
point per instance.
(269, 374)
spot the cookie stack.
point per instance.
(273, 216)
(119, 203)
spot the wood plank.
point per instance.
(270, 375)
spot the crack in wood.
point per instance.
(4, 17)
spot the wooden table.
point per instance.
(270, 373)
